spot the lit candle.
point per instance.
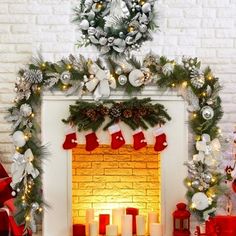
(155, 229)
(116, 218)
(93, 229)
(152, 218)
(111, 230)
(78, 230)
(140, 225)
(104, 219)
(89, 218)
(133, 212)
(126, 225)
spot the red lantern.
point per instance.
(181, 221)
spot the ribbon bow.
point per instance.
(209, 151)
(22, 166)
(101, 82)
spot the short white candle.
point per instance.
(152, 218)
(111, 230)
(93, 229)
(89, 218)
(126, 225)
(116, 218)
(155, 229)
(140, 225)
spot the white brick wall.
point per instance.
(202, 28)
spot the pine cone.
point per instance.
(115, 111)
(91, 114)
(142, 111)
(127, 113)
(104, 111)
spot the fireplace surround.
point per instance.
(57, 178)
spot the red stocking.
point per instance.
(161, 142)
(91, 142)
(70, 140)
(117, 139)
(139, 139)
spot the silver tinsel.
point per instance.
(33, 76)
(197, 78)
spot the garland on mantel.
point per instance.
(134, 112)
(79, 76)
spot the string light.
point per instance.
(43, 65)
(184, 84)
(131, 29)
(26, 137)
(193, 206)
(27, 218)
(213, 179)
(69, 67)
(64, 87)
(18, 149)
(173, 85)
(194, 115)
(32, 115)
(38, 88)
(189, 183)
(204, 94)
(40, 209)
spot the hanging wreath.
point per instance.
(116, 26)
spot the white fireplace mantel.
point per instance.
(57, 168)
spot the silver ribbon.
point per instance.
(22, 166)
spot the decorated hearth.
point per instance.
(125, 113)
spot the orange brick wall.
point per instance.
(106, 179)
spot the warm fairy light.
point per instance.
(17, 149)
(173, 85)
(27, 218)
(193, 206)
(131, 29)
(23, 197)
(26, 137)
(69, 67)
(32, 115)
(204, 94)
(189, 183)
(184, 84)
(99, 6)
(219, 131)
(198, 138)
(64, 87)
(210, 200)
(43, 65)
(38, 88)
(40, 209)
(213, 179)
(194, 115)
(209, 77)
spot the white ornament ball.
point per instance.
(103, 41)
(118, 70)
(84, 25)
(122, 79)
(35, 206)
(136, 78)
(92, 31)
(65, 77)
(168, 69)
(19, 139)
(13, 193)
(146, 8)
(200, 201)
(207, 112)
(25, 110)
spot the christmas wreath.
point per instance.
(116, 26)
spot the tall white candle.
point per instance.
(111, 230)
(152, 218)
(155, 229)
(126, 225)
(89, 218)
(93, 229)
(140, 225)
(116, 218)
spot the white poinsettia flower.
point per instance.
(199, 157)
(200, 201)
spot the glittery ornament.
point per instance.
(195, 184)
(207, 177)
(33, 76)
(168, 69)
(197, 78)
(65, 77)
(118, 70)
(207, 112)
(136, 78)
(25, 110)
(18, 138)
(122, 79)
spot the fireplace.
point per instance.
(57, 179)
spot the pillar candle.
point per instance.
(133, 212)
(116, 218)
(104, 219)
(79, 230)
(155, 229)
(111, 230)
(89, 218)
(140, 225)
(126, 225)
(152, 218)
(93, 229)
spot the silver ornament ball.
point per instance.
(35, 206)
(207, 112)
(65, 77)
(13, 193)
(122, 79)
(195, 184)
(118, 70)
(207, 177)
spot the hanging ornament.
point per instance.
(200, 201)
(168, 69)
(25, 110)
(207, 112)
(136, 78)
(207, 177)
(65, 77)
(118, 70)
(195, 184)
(197, 78)
(122, 79)
(33, 76)
(84, 25)
(19, 139)
(146, 8)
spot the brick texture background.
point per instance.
(106, 179)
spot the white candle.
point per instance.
(155, 229)
(93, 229)
(89, 218)
(126, 225)
(152, 218)
(116, 218)
(140, 225)
(111, 230)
